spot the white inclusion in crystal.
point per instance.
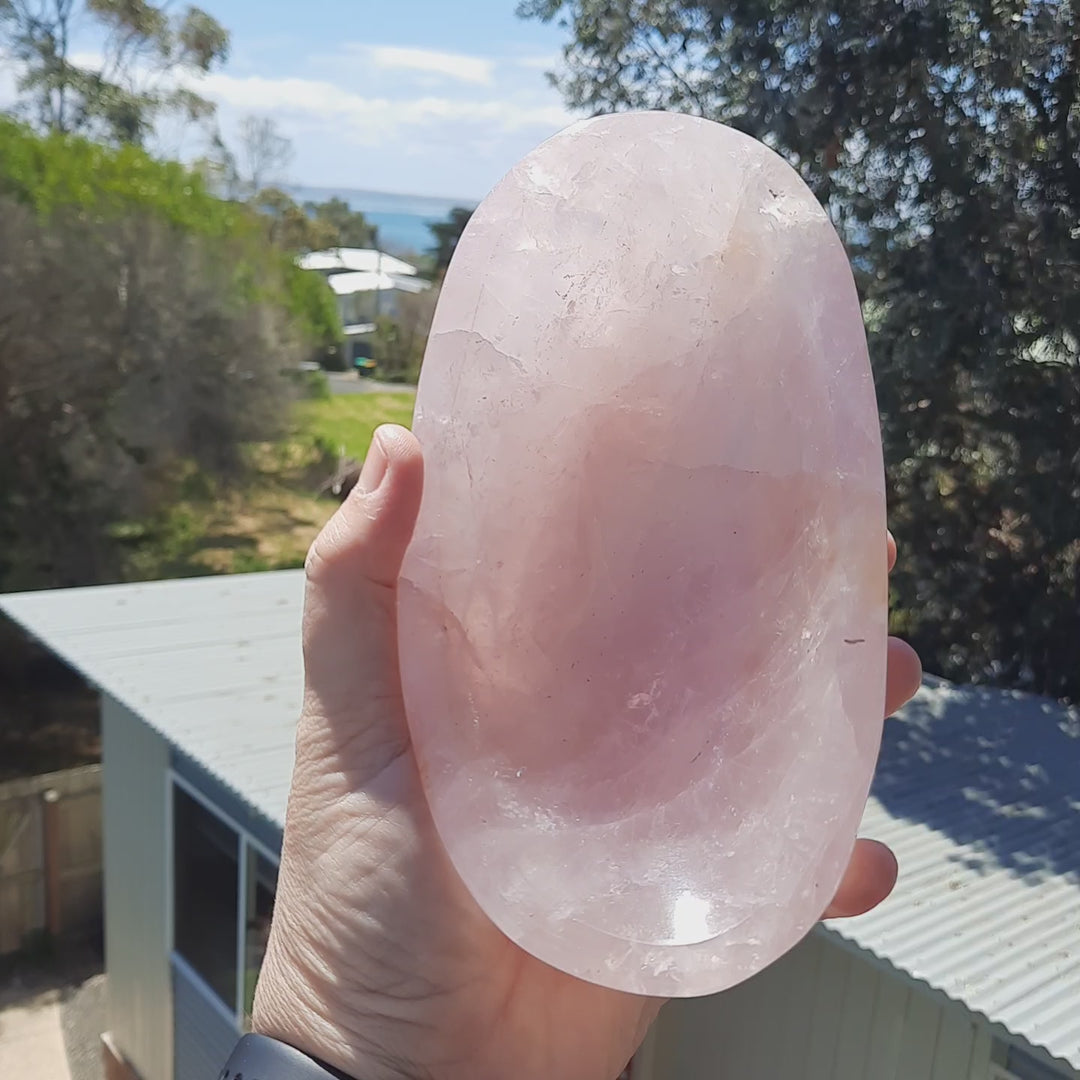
(543, 179)
(690, 918)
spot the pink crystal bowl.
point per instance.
(643, 617)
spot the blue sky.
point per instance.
(424, 97)
(436, 97)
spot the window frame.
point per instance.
(246, 844)
(1011, 1061)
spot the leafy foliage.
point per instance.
(252, 171)
(288, 225)
(53, 171)
(313, 226)
(145, 329)
(258, 160)
(315, 309)
(265, 152)
(344, 226)
(399, 342)
(148, 51)
(944, 137)
(447, 234)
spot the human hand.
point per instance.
(380, 963)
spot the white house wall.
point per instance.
(824, 1012)
(205, 1036)
(136, 958)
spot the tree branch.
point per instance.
(680, 81)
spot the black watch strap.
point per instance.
(257, 1057)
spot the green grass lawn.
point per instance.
(345, 422)
(265, 523)
(268, 522)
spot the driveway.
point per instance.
(51, 1019)
(346, 382)
(32, 1040)
(82, 1020)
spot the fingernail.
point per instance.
(375, 467)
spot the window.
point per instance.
(223, 897)
(205, 883)
(261, 886)
(1010, 1062)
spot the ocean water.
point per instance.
(402, 220)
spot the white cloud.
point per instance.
(469, 69)
(446, 123)
(545, 63)
(370, 118)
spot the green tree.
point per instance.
(944, 138)
(265, 154)
(148, 52)
(447, 234)
(289, 225)
(315, 309)
(341, 224)
(399, 342)
(146, 331)
(258, 162)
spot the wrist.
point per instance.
(296, 1006)
(260, 1057)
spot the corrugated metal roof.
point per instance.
(361, 281)
(213, 664)
(978, 790)
(363, 259)
(978, 793)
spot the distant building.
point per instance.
(971, 971)
(368, 284)
(338, 260)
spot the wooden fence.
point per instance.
(50, 857)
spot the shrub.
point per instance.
(144, 324)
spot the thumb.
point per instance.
(364, 542)
(352, 686)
